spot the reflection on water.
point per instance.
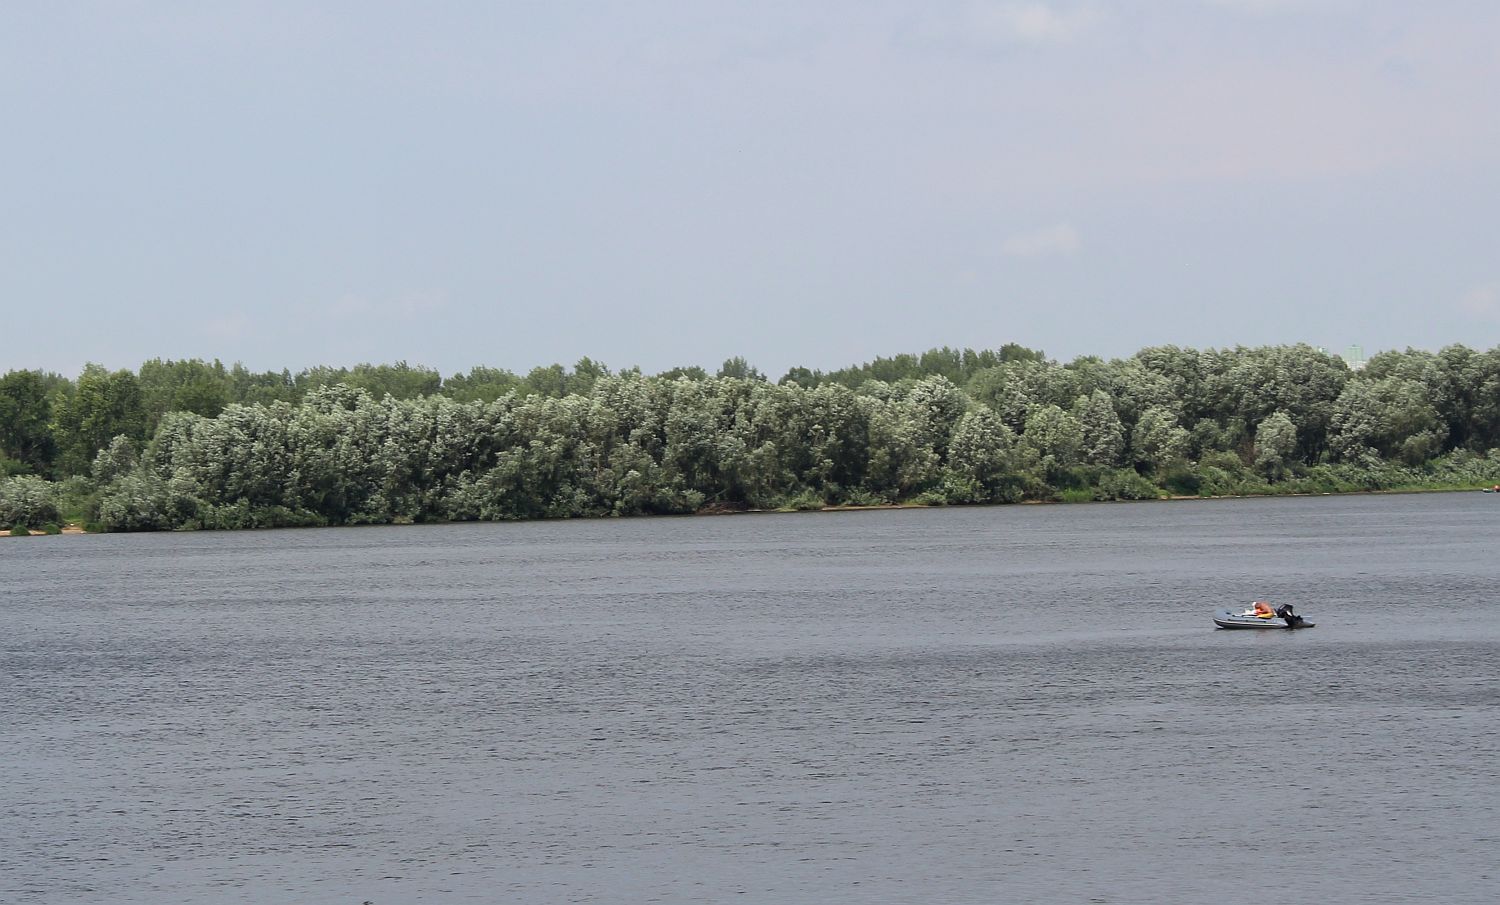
(970, 705)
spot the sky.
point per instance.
(658, 183)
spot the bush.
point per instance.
(1078, 484)
(28, 501)
(958, 488)
(1466, 469)
(861, 497)
(1078, 477)
(138, 502)
(77, 499)
(241, 514)
(806, 501)
(1182, 480)
(1343, 478)
(1126, 484)
(1221, 482)
(1224, 461)
(52, 528)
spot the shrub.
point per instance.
(20, 531)
(1126, 484)
(1343, 478)
(806, 501)
(1218, 481)
(1079, 477)
(957, 488)
(1181, 480)
(1224, 461)
(28, 501)
(241, 514)
(138, 502)
(861, 497)
(77, 499)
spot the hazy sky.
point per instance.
(663, 183)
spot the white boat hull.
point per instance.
(1227, 619)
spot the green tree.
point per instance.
(400, 380)
(1012, 389)
(106, 404)
(1140, 388)
(1275, 445)
(551, 380)
(1303, 383)
(183, 386)
(25, 421)
(1484, 418)
(585, 374)
(1103, 435)
(935, 405)
(802, 377)
(984, 464)
(739, 369)
(1157, 440)
(691, 372)
(116, 459)
(250, 388)
(480, 384)
(1056, 436)
(1016, 352)
(901, 461)
(1386, 418)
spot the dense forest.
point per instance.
(192, 444)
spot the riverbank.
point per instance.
(77, 527)
(1166, 498)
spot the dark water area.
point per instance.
(1008, 704)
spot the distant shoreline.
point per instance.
(708, 512)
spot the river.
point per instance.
(996, 704)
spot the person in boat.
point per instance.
(1262, 610)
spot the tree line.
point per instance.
(195, 444)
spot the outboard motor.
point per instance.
(1291, 619)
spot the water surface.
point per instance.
(1008, 704)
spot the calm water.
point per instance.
(1012, 704)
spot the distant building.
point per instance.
(1354, 357)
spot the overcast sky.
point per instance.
(660, 183)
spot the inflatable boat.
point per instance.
(1282, 618)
